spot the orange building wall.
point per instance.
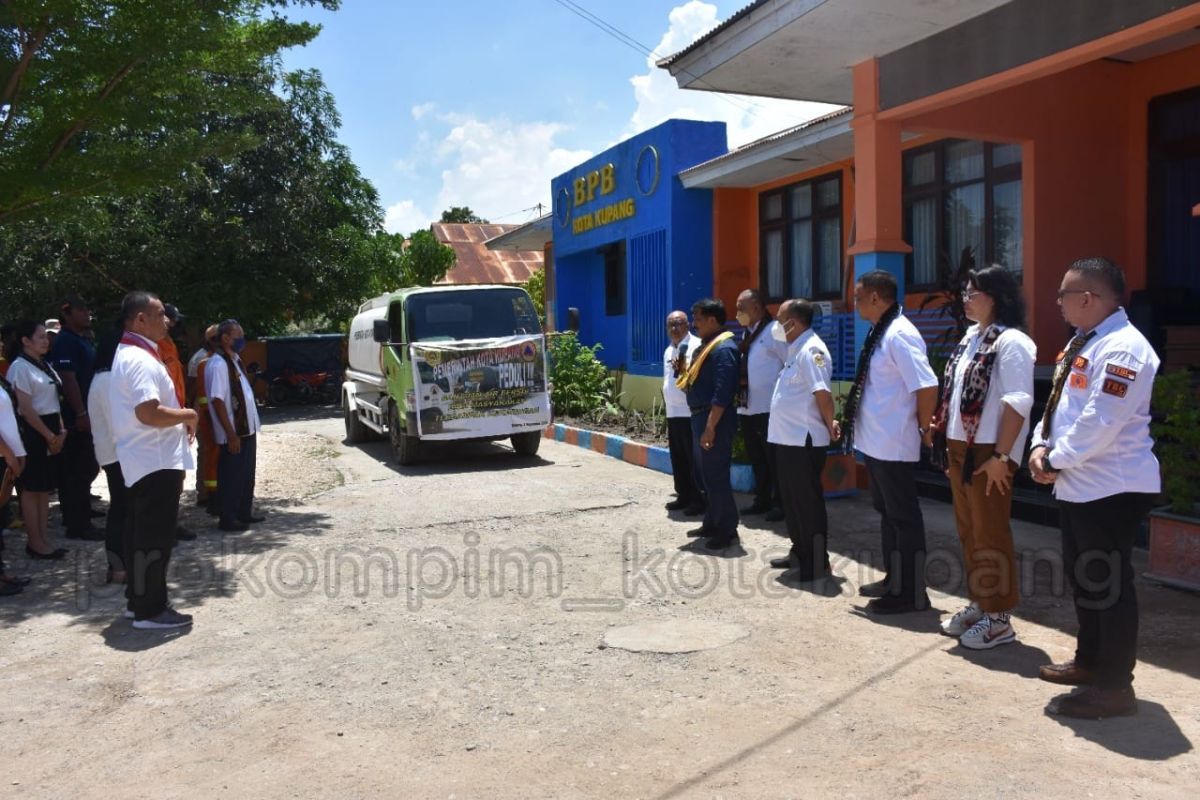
(735, 230)
(1084, 138)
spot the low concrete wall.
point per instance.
(659, 458)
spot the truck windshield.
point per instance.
(470, 314)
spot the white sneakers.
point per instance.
(961, 622)
(989, 632)
(977, 631)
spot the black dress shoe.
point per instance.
(722, 542)
(236, 527)
(95, 514)
(9, 589)
(876, 589)
(754, 508)
(774, 515)
(677, 505)
(17, 581)
(183, 534)
(253, 520)
(890, 604)
(701, 531)
(54, 555)
(88, 534)
(782, 563)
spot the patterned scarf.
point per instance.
(860, 376)
(976, 380)
(241, 423)
(1061, 371)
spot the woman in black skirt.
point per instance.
(38, 398)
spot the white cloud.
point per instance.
(406, 217)
(420, 111)
(499, 167)
(659, 98)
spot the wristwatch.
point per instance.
(1046, 461)
(1003, 458)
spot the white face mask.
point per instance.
(778, 333)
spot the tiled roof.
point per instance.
(477, 264)
(671, 59)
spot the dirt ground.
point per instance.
(375, 639)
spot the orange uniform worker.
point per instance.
(208, 451)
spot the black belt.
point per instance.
(699, 409)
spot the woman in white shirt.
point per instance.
(38, 390)
(984, 412)
(12, 462)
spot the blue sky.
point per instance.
(466, 102)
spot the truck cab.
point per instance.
(446, 363)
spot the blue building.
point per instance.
(631, 244)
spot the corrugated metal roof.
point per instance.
(671, 59)
(772, 138)
(476, 263)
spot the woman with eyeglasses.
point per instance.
(38, 391)
(984, 413)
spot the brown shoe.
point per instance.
(1094, 703)
(1067, 674)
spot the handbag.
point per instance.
(939, 456)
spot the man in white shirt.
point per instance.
(152, 435)
(1093, 446)
(802, 427)
(689, 497)
(105, 446)
(762, 358)
(888, 413)
(235, 428)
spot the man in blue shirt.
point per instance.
(712, 383)
(74, 358)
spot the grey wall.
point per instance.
(1009, 36)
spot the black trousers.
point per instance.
(901, 526)
(77, 469)
(758, 451)
(153, 516)
(803, 499)
(683, 465)
(235, 477)
(720, 514)
(116, 524)
(1097, 542)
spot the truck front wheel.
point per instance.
(526, 444)
(407, 449)
(356, 432)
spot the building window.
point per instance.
(614, 279)
(800, 239)
(959, 194)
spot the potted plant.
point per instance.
(1175, 528)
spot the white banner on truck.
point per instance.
(473, 389)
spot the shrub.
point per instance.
(1176, 431)
(581, 382)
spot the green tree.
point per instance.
(536, 286)
(285, 233)
(106, 98)
(462, 214)
(425, 260)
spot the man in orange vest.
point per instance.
(207, 448)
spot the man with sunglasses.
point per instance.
(1094, 447)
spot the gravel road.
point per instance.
(439, 631)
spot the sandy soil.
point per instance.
(374, 640)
